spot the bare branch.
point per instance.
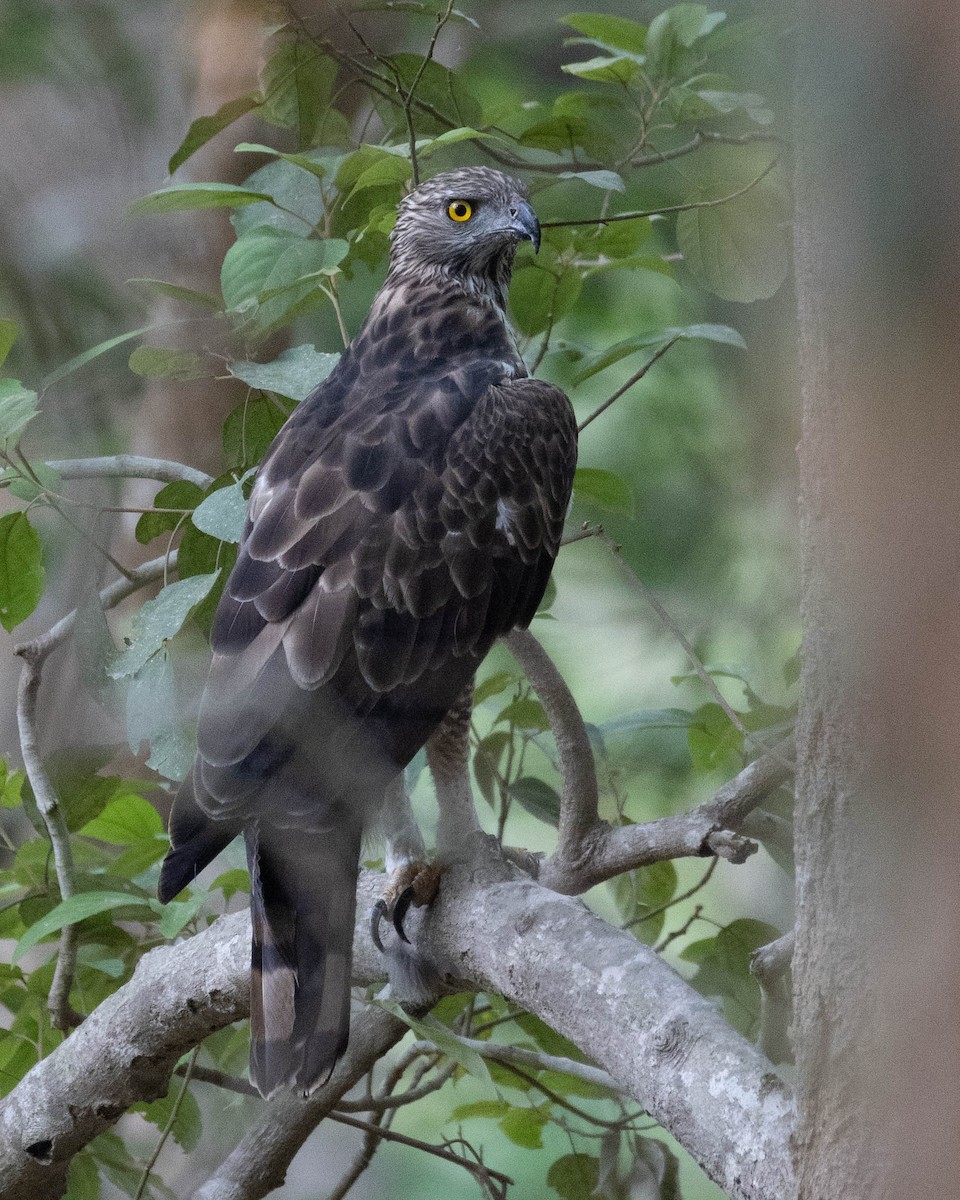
(579, 820)
(129, 466)
(259, 1163)
(58, 1002)
(39, 648)
(709, 829)
(632, 1014)
(667, 209)
(536, 1060)
(476, 1168)
(606, 992)
(626, 388)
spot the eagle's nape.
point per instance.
(407, 514)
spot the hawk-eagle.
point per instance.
(407, 514)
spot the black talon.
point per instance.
(378, 914)
(400, 909)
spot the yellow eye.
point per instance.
(460, 210)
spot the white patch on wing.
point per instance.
(504, 521)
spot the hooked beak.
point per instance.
(524, 221)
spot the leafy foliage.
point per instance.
(312, 236)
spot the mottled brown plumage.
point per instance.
(407, 514)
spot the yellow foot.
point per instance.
(415, 883)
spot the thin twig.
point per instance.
(58, 1002)
(656, 912)
(34, 653)
(537, 1060)
(678, 933)
(635, 378)
(148, 1167)
(442, 19)
(670, 208)
(476, 1169)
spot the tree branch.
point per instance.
(34, 653)
(129, 466)
(579, 819)
(632, 1014)
(709, 829)
(259, 1163)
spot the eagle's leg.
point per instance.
(413, 880)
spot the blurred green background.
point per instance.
(94, 97)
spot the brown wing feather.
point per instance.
(406, 515)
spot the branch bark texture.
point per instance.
(663, 1043)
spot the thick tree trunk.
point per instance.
(877, 966)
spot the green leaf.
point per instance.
(204, 128)
(537, 798)
(177, 914)
(159, 620)
(465, 133)
(387, 170)
(223, 513)
(486, 759)
(715, 743)
(738, 250)
(187, 1125)
(608, 181)
(18, 407)
(154, 714)
(155, 362)
(231, 882)
(524, 1126)
(79, 908)
(574, 1176)
(26, 487)
(294, 373)
(723, 968)
(21, 570)
(673, 32)
(493, 1109)
(126, 820)
(250, 429)
(493, 685)
(616, 32)
(648, 718)
(298, 201)
(536, 295)
(295, 85)
(721, 334)
(81, 360)
(83, 1180)
(200, 554)
(179, 495)
(731, 102)
(267, 275)
(525, 713)
(182, 197)
(618, 68)
(318, 165)
(8, 335)
(444, 1039)
(605, 488)
(12, 787)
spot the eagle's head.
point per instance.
(467, 223)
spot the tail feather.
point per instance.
(303, 896)
(195, 840)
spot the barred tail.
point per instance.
(302, 899)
